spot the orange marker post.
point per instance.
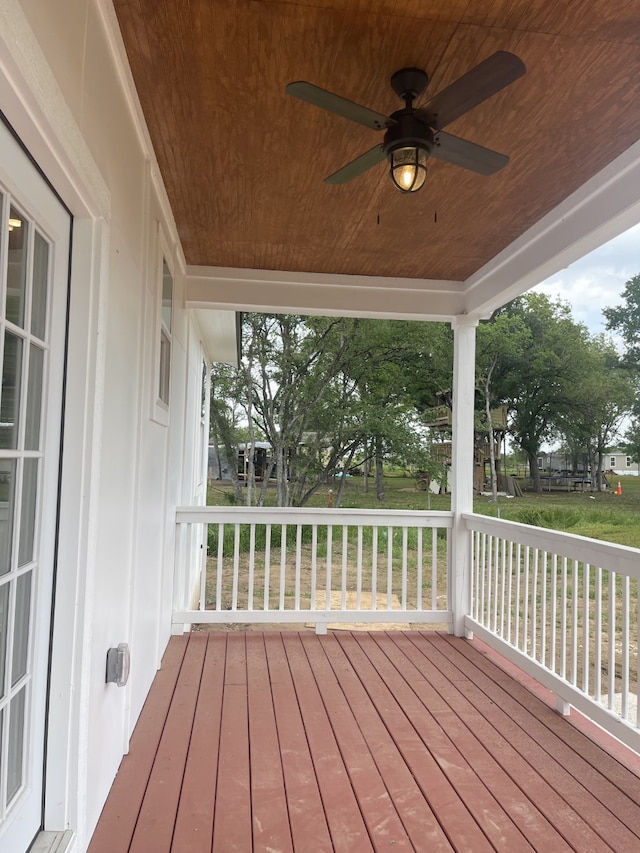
(619, 489)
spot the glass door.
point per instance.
(34, 249)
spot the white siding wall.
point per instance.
(125, 473)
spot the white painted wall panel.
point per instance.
(136, 470)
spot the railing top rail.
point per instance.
(308, 515)
(607, 555)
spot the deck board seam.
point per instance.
(594, 830)
(381, 642)
(435, 810)
(578, 757)
(395, 639)
(516, 689)
(338, 739)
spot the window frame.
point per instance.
(162, 333)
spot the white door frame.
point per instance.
(43, 211)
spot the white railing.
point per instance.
(565, 609)
(310, 566)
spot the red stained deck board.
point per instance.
(599, 766)
(232, 831)
(309, 828)
(445, 801)
(156, 821)
(417, 816)
(507, 796)
(270, 815)
(348, 830)
(383, 822)
(508, 743)
(495, 803)
(118, 820)
(194, 821)
(260, 742)
(577, 780)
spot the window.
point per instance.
(612, 461)
(166, 311)
(628, 462)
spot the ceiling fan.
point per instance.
(413, 134)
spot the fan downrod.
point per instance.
(409, 83)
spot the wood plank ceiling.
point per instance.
(244, 163)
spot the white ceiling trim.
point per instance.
(328, 295)
(598, 211)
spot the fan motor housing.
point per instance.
(408, 131)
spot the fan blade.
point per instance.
(474, 87)
(461, 152)
(356, 167)
(340, 106)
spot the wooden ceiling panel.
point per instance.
(244, 163)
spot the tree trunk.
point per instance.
(535, 471)
(492, 449)
(345, 468)
(379, 471)
(366, 468)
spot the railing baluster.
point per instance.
(283, 565)
(510, 590)
(314, 564)
(525, 615)
(328, 579)
(389, 566)
(475, 580)
(202, 604)
(374, 568)
(517, 602)
(298, 566)
(219, 565)
(534, 605)
(434, 569)
(613, 635)
(503, 580)
(343, 586)
(486, 614)
(586, 595)
(483, 567)
(554, 613)
(252, 565)
(563, 621)
(267, 567)
(359, 570)
(419, 573)
(236, 567)
(543, 611)
(624, 687)
(597, 629)
(574, 622)
(405, 540)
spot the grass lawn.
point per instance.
(606, 516)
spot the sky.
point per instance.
(597, 280)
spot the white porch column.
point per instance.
(464, 369)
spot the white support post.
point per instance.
(464, 370)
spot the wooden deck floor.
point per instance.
(356, 742)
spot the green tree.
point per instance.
(606, 397)
(542, 382)
(625, 319)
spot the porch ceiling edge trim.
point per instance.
(218, 331)
(602, 208)
(315, 293)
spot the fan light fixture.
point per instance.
(413, 134)
(408, 168)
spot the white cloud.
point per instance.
(597, 280)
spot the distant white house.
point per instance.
(621, 463)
